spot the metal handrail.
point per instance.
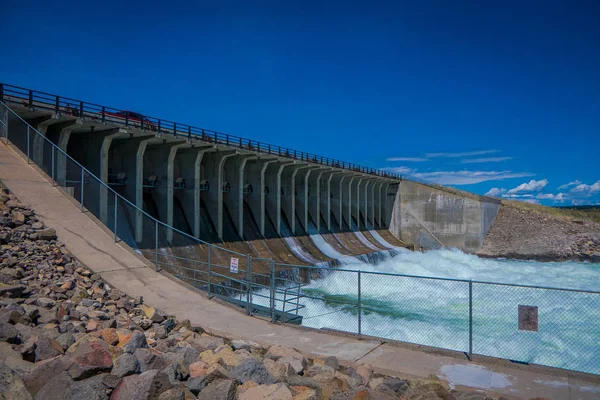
(100, 112)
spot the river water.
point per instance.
(436, 312)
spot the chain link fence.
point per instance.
(529, 324)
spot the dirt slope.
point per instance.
(541, 233)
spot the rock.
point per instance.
(47, 234)
(289, 355)
(66, 340)
(304, 393)
(429, 386)
(469, 395)
(219, 389)
(394, 383)
(9, 333)
(44, 372)
(11, 385)
(272, 392)
(278, 370)
(18, 219)
(330, 361)
(318, 369)
(173, 394)
(125, 365)
(203, 343)
(252, 370)
(152, 314)
(90, 359)
(136, 341)
(14, 290)
(148, 385)
(151, 359)
(46, 348)
(365, 372)
(45, 302)
(195, 385)
(197, 369)
(57, 388)
(110, 336)
(244, 345)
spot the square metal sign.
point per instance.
(528, 318)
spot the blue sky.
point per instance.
(500, 95)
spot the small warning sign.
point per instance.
(233, 265)
(528, 318)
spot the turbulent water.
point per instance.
(436, 312)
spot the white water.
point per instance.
(381, 240)
(436, 313)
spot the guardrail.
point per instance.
(40, 100)
(475, 317)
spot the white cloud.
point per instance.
(464, 154)
(586, 190)
(467, 177)
(566, 185)
(495, 192)
(400, 170)
(532, 201)
(412, 159)
(517, 196)
(531, 186)
(545, 196)
(484, 160)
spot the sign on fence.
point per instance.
(233, 265)
(528, 318)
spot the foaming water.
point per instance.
(436, 312)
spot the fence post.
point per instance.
(272, 284)
(359, 306)
(470, 320)
(53, 177)
(248, 285)
(115, 226)
(27, 144)
(156, 244)
(209, 274)
(81, 194)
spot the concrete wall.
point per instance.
(425, 216)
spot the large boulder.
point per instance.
(219, 389)
(252, 370)
(90, 359)
(289, 355)
(203, 343)
(44, 372)
(136, 341)
(148, 385)
(46, 348)
(195, 385)
(11, 385)
(9, 333)
(125, 365)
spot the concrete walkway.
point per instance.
(117, 265)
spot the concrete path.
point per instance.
(120, 267)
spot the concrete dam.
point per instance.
(254, 199)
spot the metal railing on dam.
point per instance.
(530, 324)
(45, 101)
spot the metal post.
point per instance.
(209, 274)
(115, 227)
(470, 320)
(248, 285)
(81, 197)
(53, 177)
(103, 114)
(156, 245)
(272, 284)
(57, 105)
(27, 144)
(359, 307)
